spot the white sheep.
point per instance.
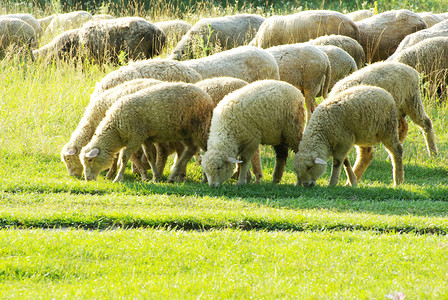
(29, 19)
(44, 22)
(161, 69)
(305, 67)
(15, 33)
(430, 18)
(94, 113)
(246, 62)
(224, 32)
(302, 27)
(381, 34)
(108, 39)
(174, 30)
(163, 113)
(264, 112)
(402, 82)
(362, 116)
(102, 17)
(359, 15)
(351, 46)
(64, 46)
(67, 21)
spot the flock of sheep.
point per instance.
(235, 82)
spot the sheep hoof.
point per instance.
(177, 178)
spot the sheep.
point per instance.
(305, 67)
(94, 113)
(359, 15)
(44, 22)
(245, 62)
(64, 46)
(174, 30)
(29, 19)
(105, 40)
(16, 33)
(342, 64)
(303, 26)
(71, 20)
(430, 18)
(161, 69)
(102, 17)
(264, 112)
(166, 112)
(429, 57)
(224, 32)
(410, 40)
(362, 116)
(381, 34)
(402, 82)
(351, 46)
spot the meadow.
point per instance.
(65, 238)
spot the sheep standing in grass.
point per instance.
(161, 69)
(224, 32)
(65, 46)
(163, 113)
(29, 19)
(44, 22)
(361, 116)
(302, 27)
(359, 15)
(94, 113)
(430, 18)
(381, 34)
(246, 62)
(16, 34)
(351, 46)
(63, 22)
(264, 112)
(106, 40)
(174, 30)
(402, 82)
(305, 67)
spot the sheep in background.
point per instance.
(430, 18)
(102, 17)
(264, 112)
(359, 15)
(164, 113)
(64, 22)
(15, 33)
(302, 27)
(402, 82)
(349, 45)
(64, 46)
(305, 67)
(44, 22)
(362, 116)
(224, 32)
(105, 40)
(29, 19)
(381, 34)
(161, 69)
(174, 30)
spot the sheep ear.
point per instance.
(233, 160)
(71, 151)
(93, 153)
(320, 161)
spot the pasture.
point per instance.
(66, 238)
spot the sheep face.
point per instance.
(94, 161)
(217, 166)
(70, 156)
(308, 167)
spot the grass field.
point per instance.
(64, 238)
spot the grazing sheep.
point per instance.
(429, 57)
(29, 19)
(105, 40)
(64, 22)
(246, 62)
(264, 112)
(430, 18)
(349, 45)
(44, 22)
(305, 67)
(163, 113)
(161, 69)
(65, 46)
(302, 27)
(16, 33)
(359, 15)
(402, 82)
(224, 32)
(94, 113)
(362, 116)
(102, 17)
(381, 34)
(174, 30)
(342, 64)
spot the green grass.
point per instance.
(62, 237)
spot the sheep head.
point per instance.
(308, 167)
(70, 156)
(94, 161)
(218, 167)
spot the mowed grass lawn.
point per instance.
(62, 237)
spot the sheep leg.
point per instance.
(363, 158)
(161, 156)
(395, 150)
(245, 156)
(351, 178)
(310, 102)
(335, 171)
(256, 166)
(281, 154)
(137, 163)
(112, 170)
(424, 122)
(149, 152)
(125, 155)
(402, 128)
(179, 170)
